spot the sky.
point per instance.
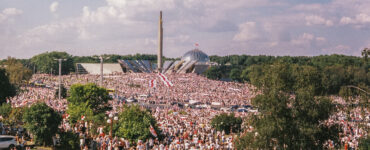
(220, 27)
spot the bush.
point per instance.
(5, 110)
(364, 143)
(63, 93)
(69, 140)
(225, 122)
(42, 121)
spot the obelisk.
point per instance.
(160, 43)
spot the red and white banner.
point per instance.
(165, 80)
(152, 83)
(82, 117)
(153, 131)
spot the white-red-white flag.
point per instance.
(165, 80)
(152, 83)
(153, 131)
(82, 117)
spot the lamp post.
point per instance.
(60, 76)
(110, 121)
(101, 68)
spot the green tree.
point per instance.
(69, 140)
(364, 143)
(7, 90)
(5, 110)
(63, 93)
(286, 121)
(214, 73)
(134, 123)
(76, 111)
(42, 121)
(227, 123)
(45, 62)
(365, 53)
(235, 74)
(16, 115)
(95, 97)
(16, 71)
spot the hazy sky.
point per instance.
(221, 27)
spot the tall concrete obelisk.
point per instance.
(160, 43)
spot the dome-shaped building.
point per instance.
(195, 55)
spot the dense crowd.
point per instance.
(189, 129)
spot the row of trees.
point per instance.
(334, 71)
(46, 63)
(317, 61)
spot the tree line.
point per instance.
(47, 63)
(334, 71)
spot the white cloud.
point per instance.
(222, 27)
(12, 11)
(54, 7)
(317, 20)
(308, 40)
(9, 12)
(308, 7)
(359, 19)
(247, 32)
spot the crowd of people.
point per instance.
(354, 122)
(187, 130)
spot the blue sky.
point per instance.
(221, 27)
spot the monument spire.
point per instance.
(160, 43)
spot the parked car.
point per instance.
(225, 109)
(242, 110)
(131, 100)
(7, 141)
(247, 106)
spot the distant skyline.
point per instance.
(221, 27)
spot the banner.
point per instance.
(165, 80)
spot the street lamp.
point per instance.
(60, 76)
(110, 121)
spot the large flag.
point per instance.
(152, 83)
(165, 80)
(153, 131)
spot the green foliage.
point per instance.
(112, 58)
(63, 93)
(69, 140)
(328, 80)
(134, 123)
(216, 72)
(286, 121)
(235, 74)
(42, 121)
(5, 110)
(95, 97)
(16, 71)
(16, 115)
(46, 62)
(335, 70)
(7, 90)
(76, 111)
(364, 143)
(227, 123)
